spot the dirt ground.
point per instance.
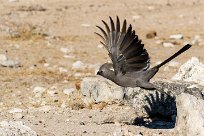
(47, 37)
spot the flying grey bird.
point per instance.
(130, 60)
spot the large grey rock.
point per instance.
(190, 115)
(98, 89)
(15, 128)
(191, 71)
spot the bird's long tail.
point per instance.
(185, 48)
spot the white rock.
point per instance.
(100, 46)
(3, 57)
(136, 17)
(173, 64)
(10, 63)
(85, 25)
(15, 128)
(68, 91)
(66, 50)
(176, 36)
(63, 70)
(78, 65)
(159, 42)
(68, 56)
(38, 90)
(168, 44)
(191, 71)
(190, 115)
(15, 110)
(77, 74)
(100, 89)
(197, 40)
(46, 64)
(18, 116)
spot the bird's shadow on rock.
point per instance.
(161, 112)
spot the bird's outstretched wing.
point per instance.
(124, 47)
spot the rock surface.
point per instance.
(190, 115)
(192, 71)
(15, 128)
(98, 89)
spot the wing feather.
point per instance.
(125, 48)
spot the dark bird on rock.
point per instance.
(130, 60)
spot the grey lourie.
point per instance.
(130, 60)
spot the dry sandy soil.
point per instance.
(36, 31)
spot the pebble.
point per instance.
(46, 64)
(196, 40)
(168, 44)
(66, 50)
(173, 64)
(68, 91)
(135, 17)
(151, 34)
(15, 110)
(78, 65)
(63, 70)
(100, 46)
(85, 25)
(176, 36)
(39, 90)
(68, 56)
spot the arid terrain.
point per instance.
(54, 42)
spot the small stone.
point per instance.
(159, 42)
(68, 91)
(176, 36)
(197, 40)
(46, 64)
(168, 44)
(15, 110)
(78, 65)
(173, 64)
(77, 74)
(38, 90)
(68, 56)
(136, 17)
(63, 70)
(66, 50)
(151, 34)
(3, 57)
(18, 116)
(100, 46)
(85, 25)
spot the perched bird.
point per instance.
(130, 60)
